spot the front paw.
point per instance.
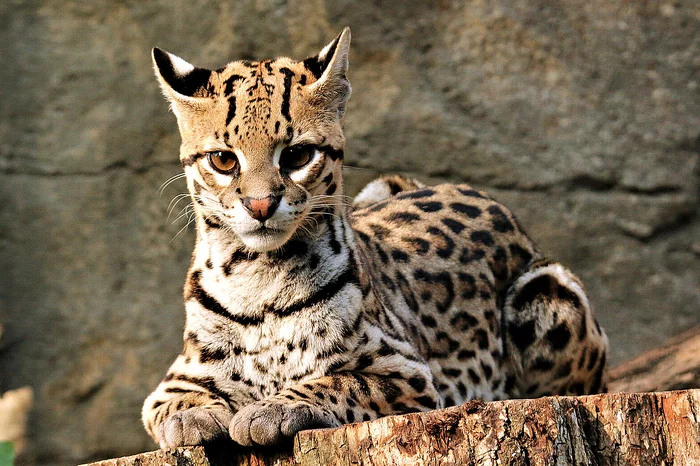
(194, 426)
(268, 423)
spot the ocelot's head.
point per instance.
(262, 142)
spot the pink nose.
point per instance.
(261, 209)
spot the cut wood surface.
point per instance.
(608, 429)
(674, 366)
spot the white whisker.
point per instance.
(170, 180)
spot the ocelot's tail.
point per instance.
(553, 340)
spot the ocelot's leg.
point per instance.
(187, 410)
(330, 401)
(553, 340)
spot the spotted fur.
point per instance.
(304, 312)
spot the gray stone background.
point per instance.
(582, 116)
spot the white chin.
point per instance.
(265, 240)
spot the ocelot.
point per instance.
(305, 311)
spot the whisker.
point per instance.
(170, 180)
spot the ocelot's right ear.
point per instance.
(183, 84)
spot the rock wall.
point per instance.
(583, 117)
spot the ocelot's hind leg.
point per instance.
(554, 343)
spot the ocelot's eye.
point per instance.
(295, 157)
(223, 162)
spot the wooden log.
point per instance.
(674, 366)
(608, 429)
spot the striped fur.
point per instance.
(304, 312)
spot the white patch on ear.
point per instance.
(180, 66)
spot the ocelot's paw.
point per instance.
(269, 422)
(194, 426)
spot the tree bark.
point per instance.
(608, 429)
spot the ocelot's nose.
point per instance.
(261, 209)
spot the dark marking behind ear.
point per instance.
(318, 64)
(187, 84)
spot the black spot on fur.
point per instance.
(431, 206)
(417, 383)
(464, 355)
(453, 225)
(521, 254)
(469, 255)
(500, 220)
(383, 256)
(488, 370)
(592, 359)
(566, 294)
(471, 193)
(388, 282)
(542, 364)
(463, 321)
(426, 401)
(449, 245)
(428, 321)
(207, 354)
(403, 217)
(558, 336)
(473, 376)
(481, 338)
(465, 209)
(522, 335)
(451, 372)
(419, 245)
(439, 278)
(399, 256)
(379, 231)
(483, 237)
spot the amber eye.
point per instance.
(295, 157)
(223, 162)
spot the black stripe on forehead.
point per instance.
(288, 75)
(231, 109)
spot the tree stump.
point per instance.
(607, 429)
(659, 428)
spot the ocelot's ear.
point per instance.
(332, 88)
(183, 84)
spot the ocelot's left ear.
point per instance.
(332, 89)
